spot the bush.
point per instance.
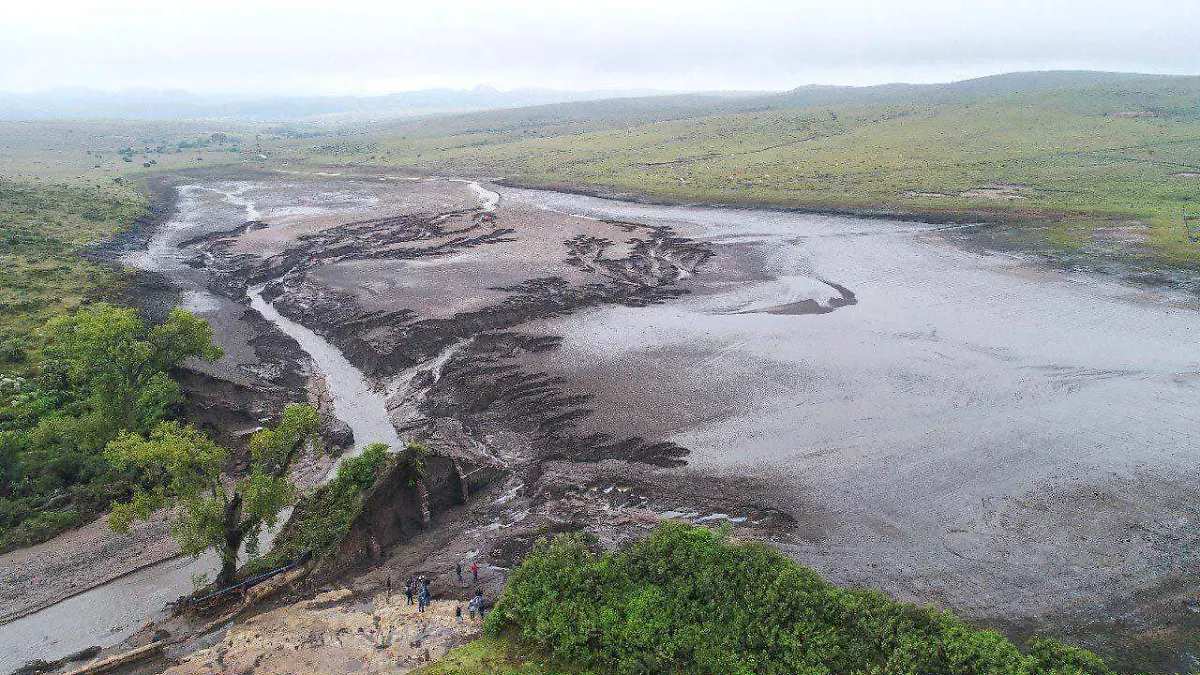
(685, 600)
(13, 350)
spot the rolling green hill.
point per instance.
(1091, 163)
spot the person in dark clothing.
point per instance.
(423, 599)
(409, 590)
(477, 606)
(458, 571)
(458, 612)
(389, 589)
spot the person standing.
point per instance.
(409, 589)
(475, 571)
(423, 599)
(478, 602)
(389, 588)
(458, 612)
(458, 570)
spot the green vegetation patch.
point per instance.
(42, 231)
(686, 600)
(495, 656)
(323, 518)
(103, 373)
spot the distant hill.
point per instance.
(583, 116)
(531, 110)
(156, 104)
(992, 85)
(1079, 153)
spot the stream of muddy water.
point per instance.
(356, 401)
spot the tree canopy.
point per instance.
(686, 600)
(122, 365)
(186, 468)
(102, 371)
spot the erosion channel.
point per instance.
(969, 430)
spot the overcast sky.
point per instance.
(361, 47)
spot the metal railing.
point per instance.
(252, 581)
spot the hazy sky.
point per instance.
(356, 46)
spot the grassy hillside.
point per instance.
(1093, 160)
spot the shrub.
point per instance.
(685, 600)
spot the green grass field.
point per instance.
(1076, 160)
(95, 151)
(42, 230)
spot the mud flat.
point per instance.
(950, 417)
(973, 432)
(968, 430)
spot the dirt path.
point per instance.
(334, 633)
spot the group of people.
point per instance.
(474, 608)
(418, 587)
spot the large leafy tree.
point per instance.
(121, 365)
(102, 371)
(211, 510)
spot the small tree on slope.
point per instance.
(210, 510)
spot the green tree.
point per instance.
(101, 371)
(121, 364)
(688, 600)
(212, 511)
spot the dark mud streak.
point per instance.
(384, 344)
(482, 387)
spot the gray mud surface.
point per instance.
(973, 431)
(968, 430)
(981, 434)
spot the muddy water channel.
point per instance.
(356, 401)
